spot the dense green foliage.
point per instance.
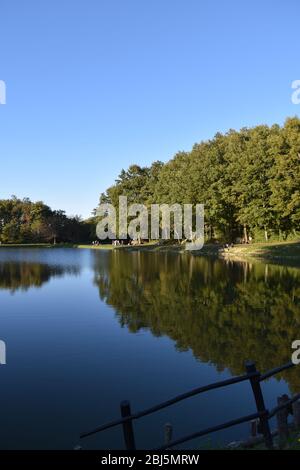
(24, 221)
(249, 181)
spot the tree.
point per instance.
(248, 180)
(24, 221)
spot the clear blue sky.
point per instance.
(95, 85)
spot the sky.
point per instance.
(93, 86)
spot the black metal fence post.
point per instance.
(127, 426)
(254, 376)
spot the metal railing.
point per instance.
(262, 413)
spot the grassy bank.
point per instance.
(283, 252)
(151, 246)
(93, 247)
(58, 245)
(291, 443)
(277, 251)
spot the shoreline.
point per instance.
(274, 252)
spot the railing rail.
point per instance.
(275, 371)
(210, 430)
(168, 403)
(263, 414)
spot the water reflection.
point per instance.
(225, 313)
(16, 276)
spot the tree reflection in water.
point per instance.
(224, 312)
(16, 276)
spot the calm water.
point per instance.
(85, 329)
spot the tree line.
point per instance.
(249, 181)
(24, 221)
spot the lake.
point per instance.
(85, 329)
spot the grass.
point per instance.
(50, 245)
(93, 247)
(283, 252)
(292, 443)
